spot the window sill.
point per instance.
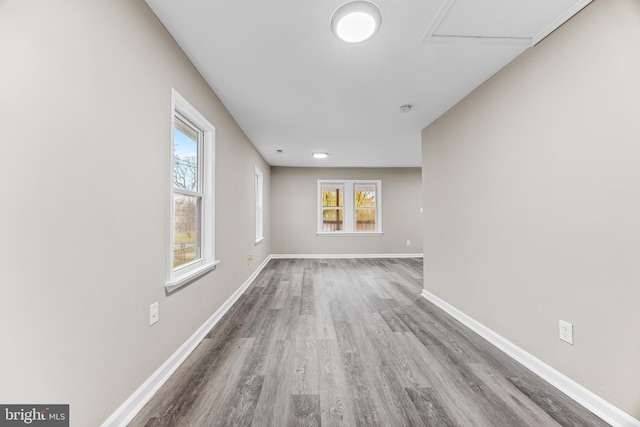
(341, 234)
(180, 281)
(257, 242)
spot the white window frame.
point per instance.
(349, 214)
(258, 185)
(180, 276)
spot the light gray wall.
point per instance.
(294, 215)
(84, 164)
(532, 208)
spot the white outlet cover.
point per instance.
(153, 313)
(566, 331)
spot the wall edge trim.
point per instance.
(583, 396)
(345, 256)
(130, 408)
(559, 21)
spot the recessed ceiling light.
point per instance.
(320, 155)
(406, 108)
(356, 21)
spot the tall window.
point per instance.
(188, 192)
(349, 207)
(332, 206)
(259, 200)
(191, 246)
(366, 206)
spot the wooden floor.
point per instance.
(351, 342)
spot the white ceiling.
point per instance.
(291, 85)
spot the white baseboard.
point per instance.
(125, 413)
(343, 256)
(588, 399)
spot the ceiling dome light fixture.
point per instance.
(356, 21)
(320, 155)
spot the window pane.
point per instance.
(332, 219)
(365, 219)
(186, 242)
(185, 156)
(332, 195)
(365, 195)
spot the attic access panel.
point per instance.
(500, 20)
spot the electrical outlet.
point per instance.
(153, 313)
(408, 242)
(566, 331)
